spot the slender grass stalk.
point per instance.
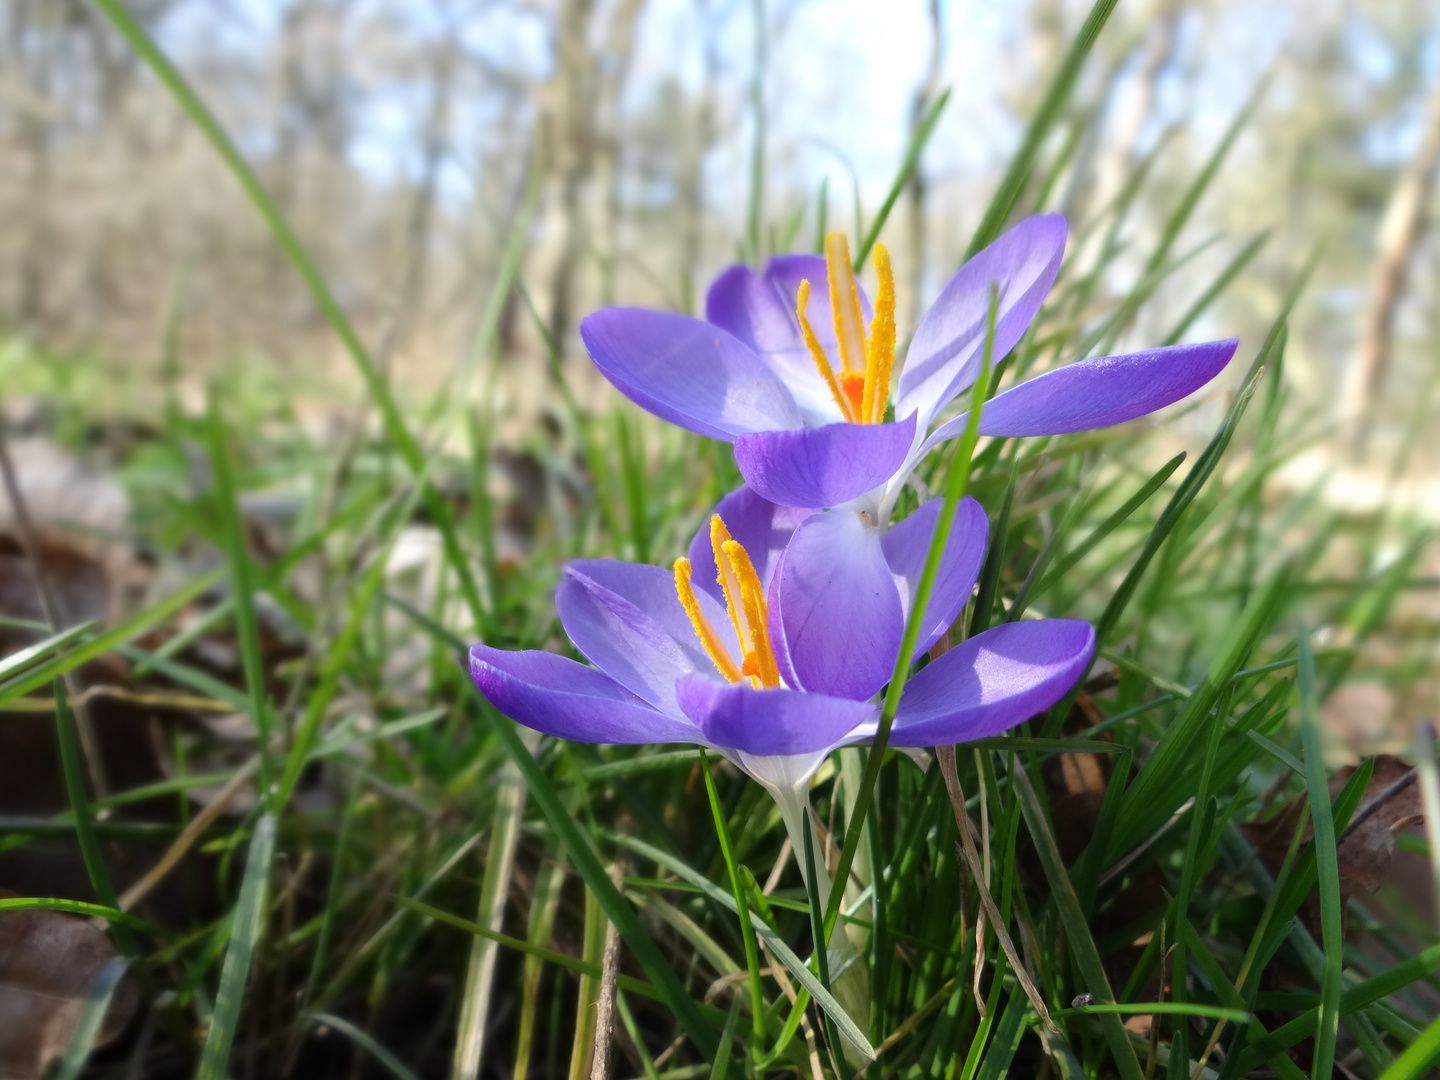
(1047, 114)
(74, 774)
(92, 1015)
(360, 1038)
(247, 626)
(1327, 865)
(249, 924)
(1415, 1062)
(742, 906)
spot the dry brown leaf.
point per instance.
(1366, 850)
(48, 961)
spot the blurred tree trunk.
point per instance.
(567, 121)
(613, 68)
(695, 146)
(415, 243)
(919, 106)
(1400, 230)
(29, 43)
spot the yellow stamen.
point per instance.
(880, 344)
(729, 583)
(817, 353)
(759, 657)
(845, 302)
(709, 639)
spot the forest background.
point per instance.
(471, 178)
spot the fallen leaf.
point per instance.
(1366, 849)
(48, 961)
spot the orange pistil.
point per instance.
(746, 605)
(861, 388)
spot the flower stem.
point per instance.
(956, 480)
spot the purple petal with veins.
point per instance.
(688, 372)
(823, 466)
(769, 722)
(559, 697)
(992, 682)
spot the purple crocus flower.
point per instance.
(794, 367)
(770, 643)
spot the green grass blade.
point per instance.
(367, 1043)
(249, 924)
(721, 1067)
(79, 907)
(1008, 1033)
(1219, 285)
(1327, 866)
(813, 870)
(74, 773)
(1175, 224)
(97, 646)
(994, 558)
(1351, 1000)
(583, 856)
(773, 941)
(17, 662)
(1052, 105)
(242, 584)
(494, 892)
(742, 908)
(1110, 524)
(1077, 929)
(1415, 1062)
(1154, 794)
(339, 654)
(92, 1015)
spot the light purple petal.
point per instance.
(761, 527)
(750, 307)
(736, 716)
(559, 697)
(992, 682)
(837, 607)
(823, 466)
(688, 372)
(946, 353)
(623, 639)
(905, 547)
(1104, 390)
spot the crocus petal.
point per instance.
(751, 308)
(1104, 390)
(761, 527)
(906, 546)
(688, 372)
(836, 605)
(623, 640)
(946, 352)
(823, 466)
(769, 722)
(992, 682)
(559, 697)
